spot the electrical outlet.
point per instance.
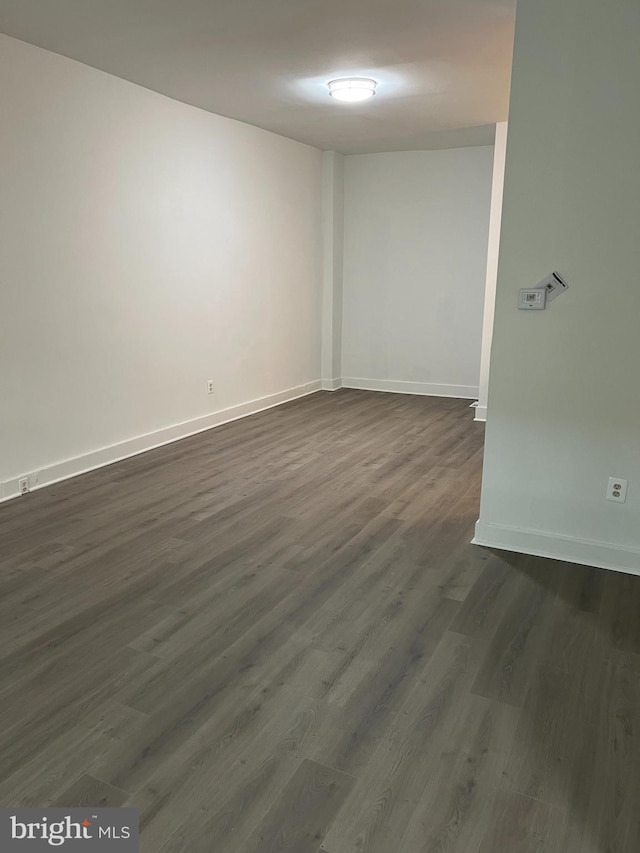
(23, 485)
(209, 386)
(616, 490)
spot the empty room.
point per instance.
(319, 426)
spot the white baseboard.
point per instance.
(481, 413)
(331, 384)
(133, 446)
(603, 555)
(396, 386)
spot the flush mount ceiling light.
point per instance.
(352, 89)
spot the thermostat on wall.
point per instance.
(553, 285)
(543, 293)
(532, 298)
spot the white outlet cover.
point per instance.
(554, 284)
(617, 490)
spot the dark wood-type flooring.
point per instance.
(274, 636)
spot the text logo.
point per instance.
(36, 830)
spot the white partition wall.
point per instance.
(564, 400)
(495, 220)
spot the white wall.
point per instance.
(564, 398)
(146, 247)
(415, 252)
(495, 220)
(333, 264)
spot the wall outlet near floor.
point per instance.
(616, 490)
(209, 386)
(23, 485)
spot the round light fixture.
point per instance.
(352, 89)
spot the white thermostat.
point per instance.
(532, 298)
(545, 291)
(553, 285)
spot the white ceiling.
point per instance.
(443, 66)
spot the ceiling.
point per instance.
(443, 66)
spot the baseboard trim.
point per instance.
(602, 555)
(141, 444)
(331, 384)
(397, 386)
(481, 414)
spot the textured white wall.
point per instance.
(415, 252)
(564, 405)
(146, 246)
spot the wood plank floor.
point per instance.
(274, 636)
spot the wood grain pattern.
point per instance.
(275, 636)
(88, 791)
(521, 824)
(299, 819)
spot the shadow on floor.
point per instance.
(574, 772)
